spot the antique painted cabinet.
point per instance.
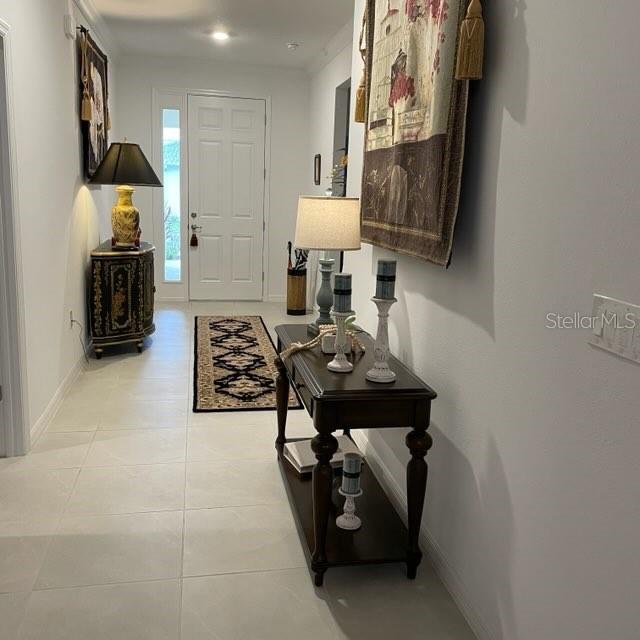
(121, 296)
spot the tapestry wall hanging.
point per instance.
(94, 102)
(415, 123)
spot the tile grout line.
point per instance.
(165, 579)
(184, 531)
(58, 522)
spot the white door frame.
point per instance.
(159, 96)
(16, 437)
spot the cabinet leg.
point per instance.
(419, 442)
(324, 445)
(98, 353)
(282, 403)
(140, 346)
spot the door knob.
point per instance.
(195, 227)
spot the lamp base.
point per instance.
(325, 297)
(125, 221)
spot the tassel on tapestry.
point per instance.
(361, 93)
(471, 44)
(85, 108)
(361, 101)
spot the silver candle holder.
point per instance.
(350, 489)
(380, 372)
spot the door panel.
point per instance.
(226, 194)
(242, 259)
(211, 259)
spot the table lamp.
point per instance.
(329, 224)
(124, 165)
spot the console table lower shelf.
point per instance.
(381, 539)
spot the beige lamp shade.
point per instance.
(328, 223)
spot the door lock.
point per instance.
(194, 214)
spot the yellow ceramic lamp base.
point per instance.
(125, 220)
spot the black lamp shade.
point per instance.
(125, 163)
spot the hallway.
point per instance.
(133, 517)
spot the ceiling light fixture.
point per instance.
(292, 46)
(220, 35)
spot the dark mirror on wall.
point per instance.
(341, 139)
(317, 169)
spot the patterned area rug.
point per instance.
(234, 368)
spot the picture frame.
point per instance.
(95, 132)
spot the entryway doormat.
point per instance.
(233, 366)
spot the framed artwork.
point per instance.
(415, 122)
(93, 81)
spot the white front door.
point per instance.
(226, 197)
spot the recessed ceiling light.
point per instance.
(220, 35)
(292, 46)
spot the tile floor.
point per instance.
(134, 518)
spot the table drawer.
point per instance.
(303, 392)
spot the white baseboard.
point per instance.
(54, 404)
(448, 575)
(275, 298)
(169, 299)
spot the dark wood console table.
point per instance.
(344, 402)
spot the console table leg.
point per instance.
(419, 442)
(282, 403)
(324, 445)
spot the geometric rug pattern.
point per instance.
(233, 368)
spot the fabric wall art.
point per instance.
(416, 116)
(94, 102)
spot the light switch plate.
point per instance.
(616, 327)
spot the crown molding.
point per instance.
(337, 43)
(98, 25)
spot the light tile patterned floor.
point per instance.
(134, 518)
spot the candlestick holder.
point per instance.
(381, 371)
(340, 364)
(349, 520)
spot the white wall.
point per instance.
(58, 216)
(322, 102)
(533, 505)
(289, 92)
